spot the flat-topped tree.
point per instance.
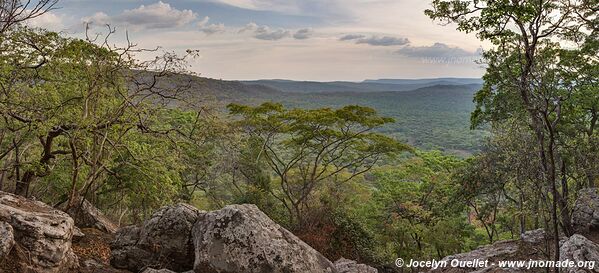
(306, 148)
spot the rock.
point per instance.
(94, 266)
(43, 235)
(533, 236)
(7, 239)
(152, 270)
(509, 250)
(163, 241)
(348, 266)
(241, 238)
(585, 215)
(77, 234)
(580, 249)
(87, 215)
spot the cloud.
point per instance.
(212, 28)
(249, 27)
(48, 20)
(375, 40)
(303, 33)
(383, 41)
(264, 32)
(350, 37)
(98, 18)
(155, 16)
(436, 50)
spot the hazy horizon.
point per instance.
(354, 81)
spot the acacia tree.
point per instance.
(529, 75)
(306, 148)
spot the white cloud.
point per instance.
(98, 18)
(48, 20)
(155, 16)
(212, 28)
(271, 5)
(251, 26)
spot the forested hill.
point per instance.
(381, 85)
(435, 117)
(431, 117)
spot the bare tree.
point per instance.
(14, 12)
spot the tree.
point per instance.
(499, 183)
(529, 75)
(415, 201)
(14, 12)
(306, 148)
(77, 101)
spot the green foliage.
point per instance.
(305, 149)
(541, 76)
(431, 118)
(412, 204)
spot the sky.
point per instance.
(322, 40)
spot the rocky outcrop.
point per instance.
(580, 249)
(42, 235)
(163, 241)
(348, 266)
(87, 215)
(585, 216)
(495, 252)
(241, 238)
(7, 239)
(530, 245)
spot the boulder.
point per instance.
(241, 238)
(348, 266)
(163, 241)
(585, 215)
(7, 239)
(42, 235)
(533, 236)
(580, 249)
(531, 245)
(87, 215)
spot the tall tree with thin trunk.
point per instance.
(531, 73)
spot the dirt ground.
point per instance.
(94, 249)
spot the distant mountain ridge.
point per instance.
(382, 85)
(434, 81)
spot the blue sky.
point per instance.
(294, 39)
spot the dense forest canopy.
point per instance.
(85, 120)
